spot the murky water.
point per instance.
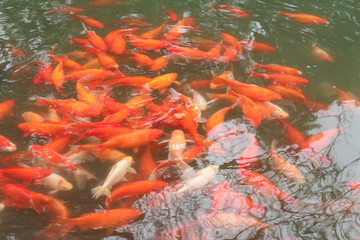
(327, 210)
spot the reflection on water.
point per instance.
(326, 209)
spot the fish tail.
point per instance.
(41, 101)
(56, 230)
(217, 83)
(99, 191)
(282, 14)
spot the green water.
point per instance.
(23, 24)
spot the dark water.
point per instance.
(23, 24)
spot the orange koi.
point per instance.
(133, 189)
(110, 37)
(235, 12)
(251, 91)
(171, 14)
(320, 54)
(146, 44)
(6, 108)
(146, 164)
(69, 107)
(230, 40)
(136, 81)
(58, 77)
(281, 79)
(154, 33)
(196, 85)
(44, 75)
(160, 63)
(106, 61)
(118, 45)
(50, 130)
(142, 60)
(136, 138)
(162, 81)
(109, 155)
(60, 143)
(320, 141)
(88, 21)
(96, 40)
(304, 18)
(99, 220)
(293, 136)
(347, 99)
(190, 53)
(178, 29)
(230, 54)
(258, 47)
(288, 93)
(215, 121)
(96, 73)
(277, 69)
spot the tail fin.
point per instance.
(217, 82)
(252, 63)
(56, 230)
(99, 191)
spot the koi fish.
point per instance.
(99, 220)
(178, 29)
(250, 154)
(293, 136)
(286, 168)
(19, 193)
(6, 108)
(275, 111)
(133, 189)
(15, 52)
(162, 81)
(136, 138)
(154, 33)
(277, 69)
(320, 141)
(264, 186)
(6, 145)
(56, 183)
(304, 18)
(224, 197)
(171, 14)
(116, 174)
(88, 21)
(320, 54)
(251, 91)
(27, 174)
(190, 53)
(288, 93)
(146, 44)
(202, 178)
(160, 63)
(280, 79)
(235, 12)
(147, 163)
(142, 60)
(64, 10)
(257, 47)
(96, 40)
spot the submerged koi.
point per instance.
(320, 54)
(304, 18)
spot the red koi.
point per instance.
(190, 53)
(216, 120)
(171, 14)
(64, 10)
(146, 44)
(142, 60)
(278, 69)
(288, 93)
(156, 32)
(27, 174)
(320, 141)
(160, 63)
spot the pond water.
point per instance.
(328, 209)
